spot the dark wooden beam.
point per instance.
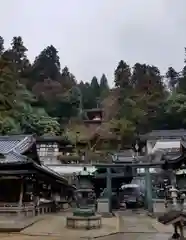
(113, 175)
(16, 172)
(134, 165)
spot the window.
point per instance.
(48, 150)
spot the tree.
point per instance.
(175, 111)
(125, 129)
(95, 87)
(104, 87)
(18, 49)
(1, 45)
(147, 79)
(122, 75)
(67, 79)
(39, 97)
(17, 55)
(17, 113)
(9, 86)
(88, 98)
(172, 77)
(149, 90)
(46, 65)
(33, 119)
(75, 98)
(181, 86)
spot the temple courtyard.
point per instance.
(126, 225)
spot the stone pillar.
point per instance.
(104, 206)
(148, 185)
(109, 189)
(21, 197)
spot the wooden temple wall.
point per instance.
(25, 205)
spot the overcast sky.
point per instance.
(92, 36)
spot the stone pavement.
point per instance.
(133, 227)
(142, 224)
(16, 224)
(24, 237)
(55, 226)
(137, 236)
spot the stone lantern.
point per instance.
(174, 195)
(184, 202)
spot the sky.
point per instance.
(92, 36)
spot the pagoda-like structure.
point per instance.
(101, 135)
(93, 116)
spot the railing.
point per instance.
(27, 208)
(15, 204)
(14, 209)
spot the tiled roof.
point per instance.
(17, 143)
(13, 157)
(24, 145)
(50, 171)
(11, 147)
(176, 133)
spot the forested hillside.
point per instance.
(41, 97)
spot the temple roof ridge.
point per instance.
(15, 143)
(13, 147)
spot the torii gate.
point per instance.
(147, 174)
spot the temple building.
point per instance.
(155, 146)
(49, 148)
(168, 140)
(36, 188)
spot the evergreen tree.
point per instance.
(122, 75)
(16, 56)
(95, 87)
(18, 49)
(104, 87)
(46, 65)
(1, 45)
(181, 87)
(88, 98)
(172, 77)
(38, 97)
(67, 79)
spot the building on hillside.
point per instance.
(167, 140)
(56, 150)
(36, 188)
(164, 145)
(50, 147)
(93, 116)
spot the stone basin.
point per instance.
(83, 218)
(77, 222)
